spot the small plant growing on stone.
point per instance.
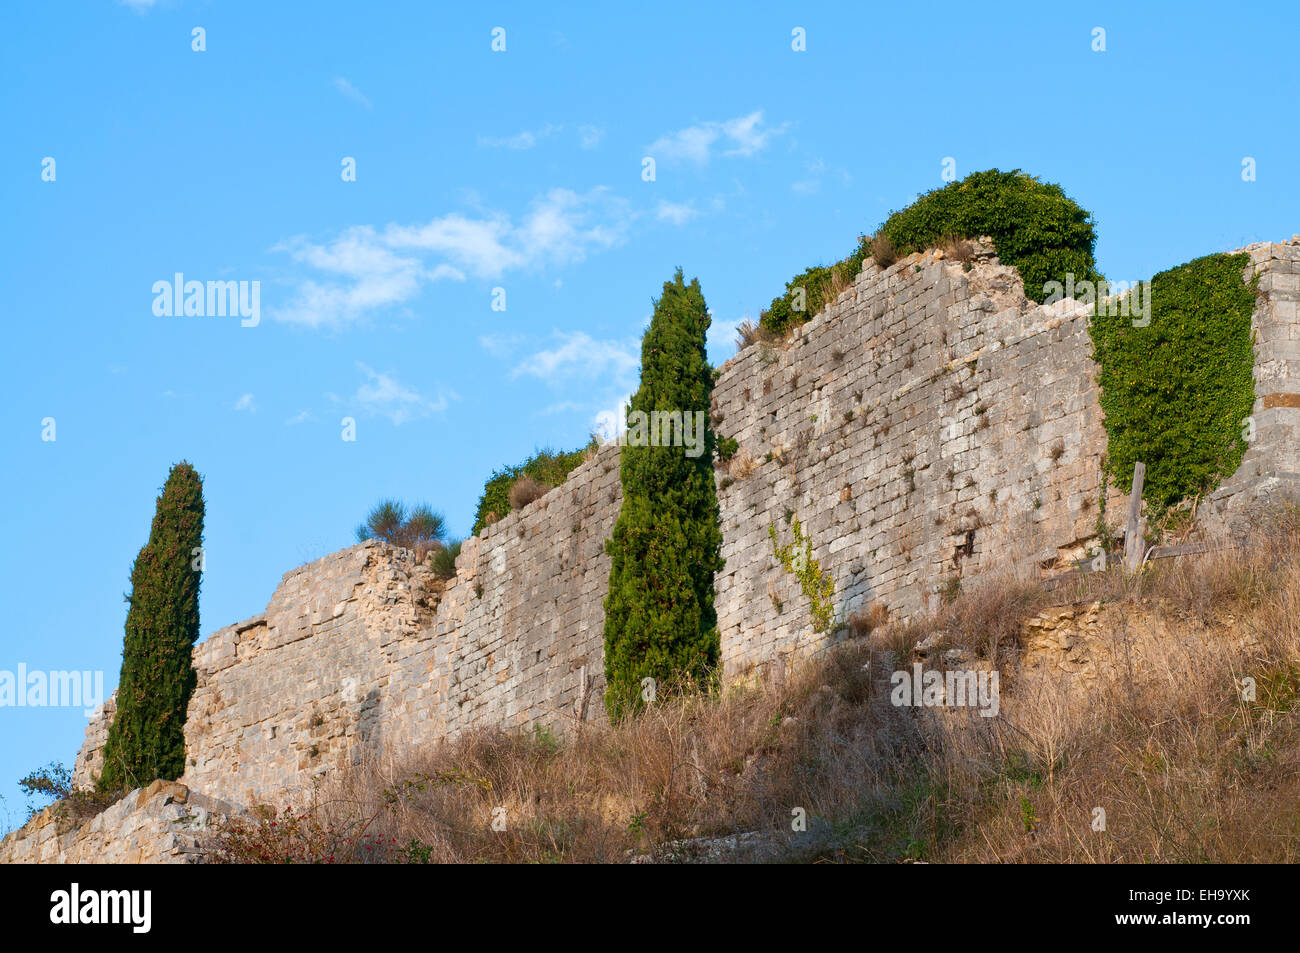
(1057, 451)
(797, 558)
(883, 252)
(443, 561)
(421, 530)
(526, 491)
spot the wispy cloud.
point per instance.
(580, 355)
(350, 91)
(139, 6)
(246, 402)
(520, 140)
(365, 269)
(501, 345)
(742, 136)
(386, 396)
(606, 369)
(299, 418)
(589, 136)
(817, 171)
(676, 213)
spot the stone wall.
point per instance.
(931, 425)
(163, 823)
(1271, 465)
(364, 649)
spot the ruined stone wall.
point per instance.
(931, 425)
(161, 824)
(1271, 465)
(364, 650)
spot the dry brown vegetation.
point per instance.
(526, 490)
(883, 252)
(748, 332)
(1162, 739)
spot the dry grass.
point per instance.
(883, 252)
(955, 248)
(748, 332)
(526, 490)
(741, 466)
(1184, 768)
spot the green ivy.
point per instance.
(1177, 391)
(797, 558)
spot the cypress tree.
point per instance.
(147, 737)
(659, 616)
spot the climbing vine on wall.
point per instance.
(797, 558)
(1176, 392)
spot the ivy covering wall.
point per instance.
(1177, 391)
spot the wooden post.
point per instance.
(1133, 542)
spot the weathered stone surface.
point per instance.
(162, 823)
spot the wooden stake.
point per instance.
(1133, 542)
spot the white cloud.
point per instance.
(521, 140)
(677, 213)
(606, 369)
(580, 355)
(350, 91)
(365, 269)
(299, 418)
(139, 6)
(742, 136)
(385, 395)
(589, 136)
(247, 403)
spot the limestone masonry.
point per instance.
(932, 424)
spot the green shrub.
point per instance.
(545, 466)
(1176, 392)
(421, 531)
(1035, 226)
(147, 737)
(444, 560)
(660, 622)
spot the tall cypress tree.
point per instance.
(659, 616)
(147, 737)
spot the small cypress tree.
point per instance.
(147, 737)
(659, 616)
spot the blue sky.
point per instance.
(520, 170)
